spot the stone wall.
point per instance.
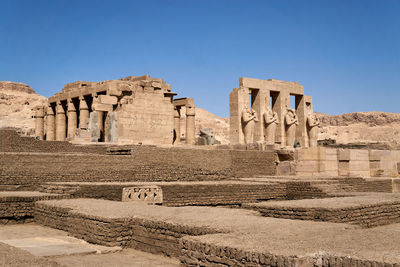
(146, 235)
(146, 163)
(12, 142)
(179, 193)
(148, 119)
(20, 208)
(363, 215)
(346, 162)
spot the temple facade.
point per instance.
(261, 111)
(132, 110)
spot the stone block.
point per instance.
(395, 185)
(359, 155)
(115, 92)
(343, 154)
(358, 165)
(108, 99)
(360, 173)
(146, 194)
(331, 165)
(331, 154)
(376, 155)
(343, 168)
(312, 153)
(307, 166)
(102, 107)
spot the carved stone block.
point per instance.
(148, 194)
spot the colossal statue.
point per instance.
(249, 118)
(291, 122)
(207, 134)
(312, 126)
(271, 121)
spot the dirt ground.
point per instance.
(14, 257)
(36, 234)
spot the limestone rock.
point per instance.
(18, 102)
(16, 87)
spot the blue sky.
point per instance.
(345, 53)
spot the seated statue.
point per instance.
(271, 121)
(291, 122)
(312, 126)
(249, 117)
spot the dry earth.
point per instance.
(18, 100)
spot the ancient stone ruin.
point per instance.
(267, 115)
(108, 175)
(130, 110)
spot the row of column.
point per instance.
(190, 124)
(56, 122)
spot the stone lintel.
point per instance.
(293, 88)
(183, 102)
(107, 99)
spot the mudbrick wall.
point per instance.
(17, 209)
(146, 235)
(195, 253)
(365, 216)
(226, 192)
(145, 164)
(11, 142)
(223, 193)
(176, 240)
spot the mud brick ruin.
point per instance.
(108, 166)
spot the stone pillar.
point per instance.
(72, 119)
(100, 133)
(259, 100)
(50, 124)
(190, 124)
(39, 123)
(238, 100)
(301, 130)
(60, 122)
(177, 124)
(83, 114)
(282, 104)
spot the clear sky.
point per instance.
(345, 53)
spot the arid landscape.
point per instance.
(18, 102)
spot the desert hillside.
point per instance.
(17, 105)
(18, 101)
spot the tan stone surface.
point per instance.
(18, 103)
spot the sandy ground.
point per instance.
(36, 234)
(250, 231)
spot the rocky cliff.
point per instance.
(17, 105)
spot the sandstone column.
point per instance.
(60, 122)
(177, 124)
(100, 134)
(72, 119)
(83, 114)
(50, 133)
(190, 124)
(39, 123)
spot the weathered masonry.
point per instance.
(130, 110)
(260, 110)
